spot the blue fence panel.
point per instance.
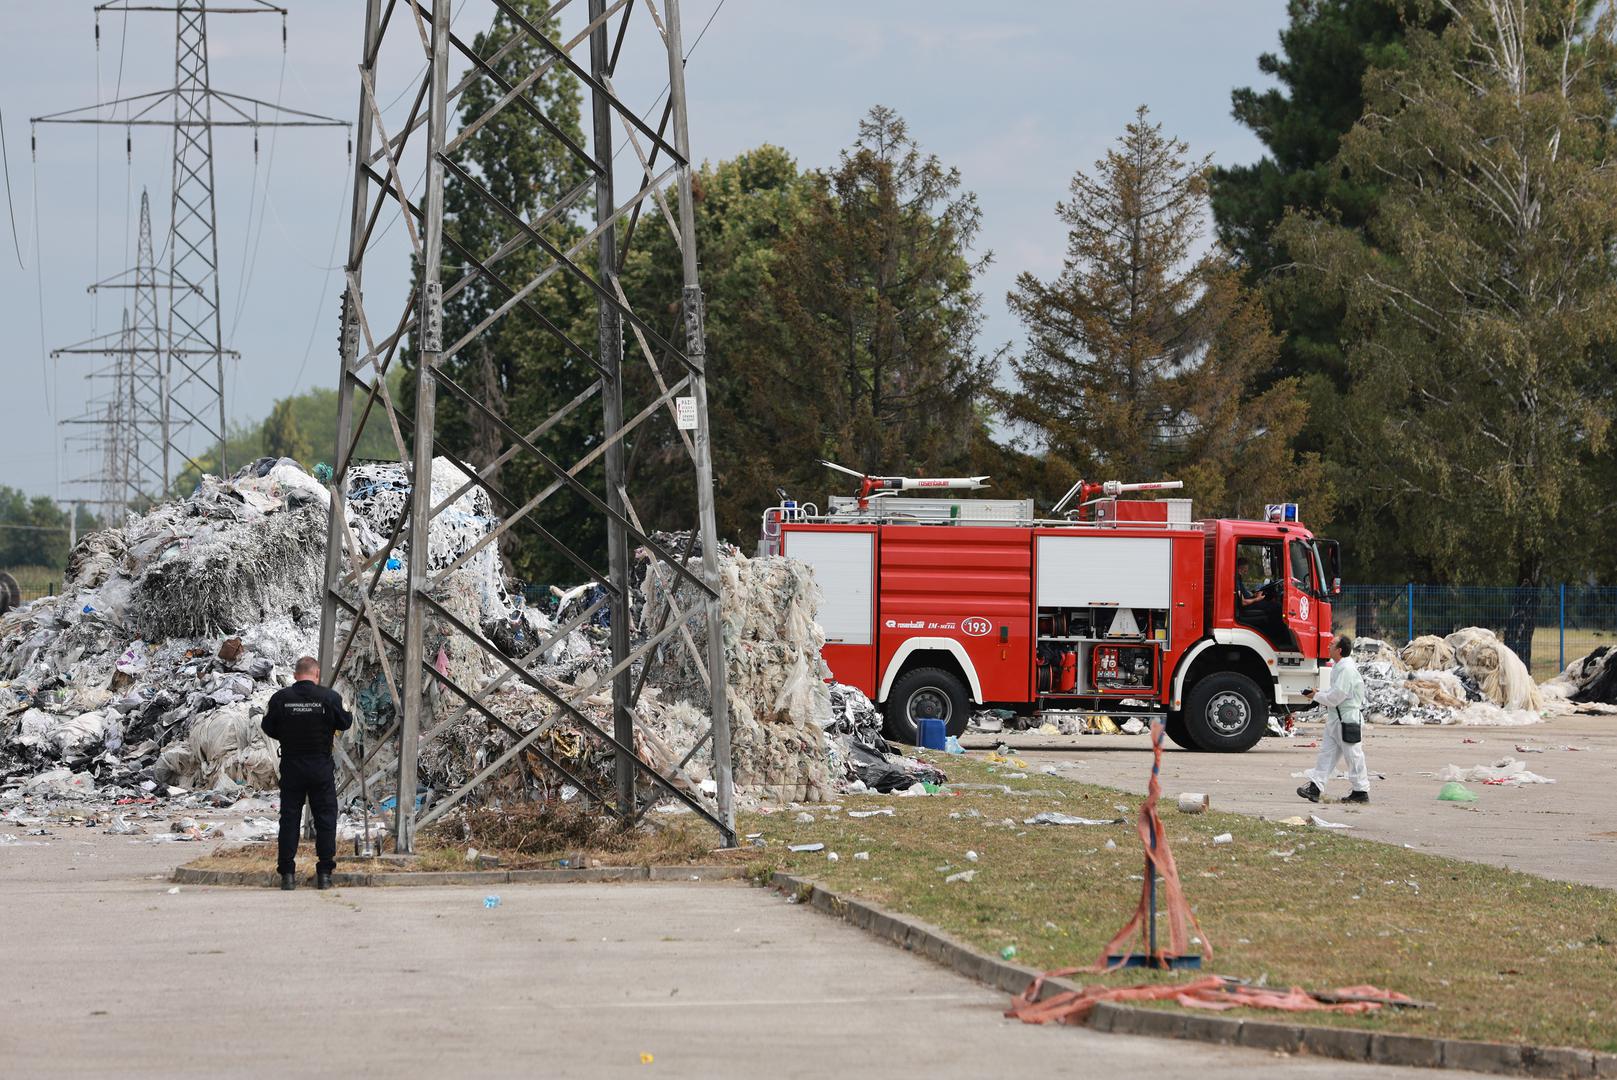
(1548, 627)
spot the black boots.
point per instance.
(1358, 797)
(1309, 791)
(322, 881)
(289, 882)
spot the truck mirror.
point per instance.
(1331, 550)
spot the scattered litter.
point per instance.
(964, 875)
(971, 856)
(806, 847)
(1111, 845)
(1506, 771)
(805, 819)
(951, 745)
(884, 811)
(831, 856)
(646, 1059)
(1320, 823)
(491, 901)
(1193, 802)
(1454, 791)
(1229, 838)
(174, 891)
(1520, 749)
(1008, 952)
(862, 856)
(1051, 817)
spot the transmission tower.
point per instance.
(108, 415)
(359, 594)
(193, 382)
(132, 474)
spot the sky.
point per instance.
(1017, 97)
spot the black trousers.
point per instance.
(311, 779)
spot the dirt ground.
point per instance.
(1564, 831)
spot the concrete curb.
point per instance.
(1346, 1044)
(264, 879)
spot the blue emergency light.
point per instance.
(1280, 512)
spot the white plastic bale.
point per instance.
(1500, 673)
(1428, 653)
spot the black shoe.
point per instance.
(322, 881)
(1358, 797)
(289, 882)
(1309, 791)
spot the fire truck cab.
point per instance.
(935, 607)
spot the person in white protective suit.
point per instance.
(1344, 728)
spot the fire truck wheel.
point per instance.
(1174, 725)
(1225, 713)
(926, 692)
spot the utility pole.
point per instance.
(193, 412)
(362, 601)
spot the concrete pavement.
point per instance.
(1562, 830)
(108, 973)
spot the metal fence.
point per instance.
(1548, 627)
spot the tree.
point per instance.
(516, 367)
(34, 531)
(283, 437)
(1141, 357)
(1480, 298)
(744, 208)
(875, 361)
(1325, 50)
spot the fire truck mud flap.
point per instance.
(1225, 712)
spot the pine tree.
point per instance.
(1325, 50)
(517, 368)
(1481, 306)
(1141, 356)
(876, 363)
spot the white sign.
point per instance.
(685, 413)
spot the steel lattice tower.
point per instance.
(371, 340)
(133, 437)
(192, 403)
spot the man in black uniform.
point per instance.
(304, 717)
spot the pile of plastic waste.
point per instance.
(1589, 683)
(148, 677)
(171, 633)
(1469, 678)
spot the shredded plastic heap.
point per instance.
(171, 632)
(153, 669)
(1469, 678)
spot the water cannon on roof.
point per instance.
(873, 487)
(1087, 492)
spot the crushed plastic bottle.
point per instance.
(491, 901)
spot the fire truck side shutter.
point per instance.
(844, 567)
(1095, 571)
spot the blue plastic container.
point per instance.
(933, 733)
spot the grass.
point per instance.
(1506, 956)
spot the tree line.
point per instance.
(1401, 316)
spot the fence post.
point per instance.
(1562, 666)
(1409, 605)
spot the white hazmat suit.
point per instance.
(1344, 704)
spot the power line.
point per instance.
(5, 156)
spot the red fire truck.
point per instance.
(1122, 607)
